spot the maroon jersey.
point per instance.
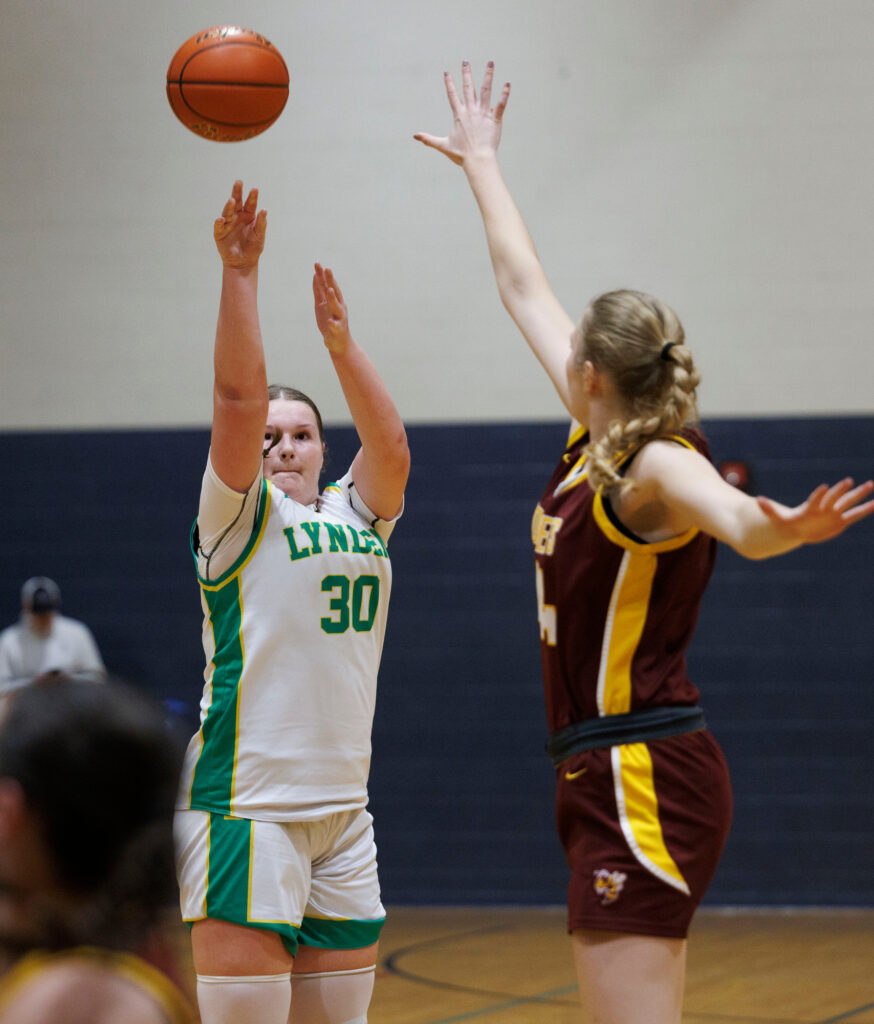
(616, 613)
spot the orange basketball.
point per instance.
(227, 83)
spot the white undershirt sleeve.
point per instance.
(225, 519)
(383, 527)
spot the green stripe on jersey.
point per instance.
(212, 786)
(330, 933)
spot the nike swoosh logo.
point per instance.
(570, 776)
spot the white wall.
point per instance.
(718, 153)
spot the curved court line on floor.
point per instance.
(544, 997)
(848, 1015)
(498, 1007)
(390, 964)
(507, 1000)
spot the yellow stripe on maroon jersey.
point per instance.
(629, 605)
(626, 617)
(637, 803)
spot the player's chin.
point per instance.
(293, 485)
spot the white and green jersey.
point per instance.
(293, 630)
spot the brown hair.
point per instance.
(640, 343)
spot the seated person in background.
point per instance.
(88, 778)
(43, 641)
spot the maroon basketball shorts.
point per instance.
(643, 825)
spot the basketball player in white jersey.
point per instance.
(275, 846)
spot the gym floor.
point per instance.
(512, 965)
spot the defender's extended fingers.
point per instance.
(434, 141)
(467, 84)
(237, 194)
(331, 282)
(251, 203)
(833, 493)
(854, 496)
(769, 508)
(502, 102)
(485, 92)
(335, 305)
(452, 93)
(322, 274)
(815, 498)
(853, 515)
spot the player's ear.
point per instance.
(13, 808)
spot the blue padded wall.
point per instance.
(461, 790)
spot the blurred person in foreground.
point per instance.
(88, 778)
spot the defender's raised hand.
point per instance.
(826, 513)
(240, 231)
(477, 125)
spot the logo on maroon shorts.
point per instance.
(608, 885)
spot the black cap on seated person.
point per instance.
(40, 594)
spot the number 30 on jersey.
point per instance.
(351, 602)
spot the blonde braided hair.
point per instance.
(640, 344)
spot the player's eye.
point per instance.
(271, 439)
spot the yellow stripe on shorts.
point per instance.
(639, 813)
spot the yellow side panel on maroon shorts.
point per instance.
(637, 804)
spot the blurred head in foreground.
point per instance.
(88, 779)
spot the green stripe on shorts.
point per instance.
(227, 883)
(330, 933)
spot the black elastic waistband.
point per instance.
(633, 727)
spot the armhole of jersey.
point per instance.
(261, 516)
(346, 489)
(626, 460)
(610, 512)
(623, 537)
(615, 530)
(360, 506)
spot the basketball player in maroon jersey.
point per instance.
(624, 542)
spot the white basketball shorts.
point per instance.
(313, 882)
